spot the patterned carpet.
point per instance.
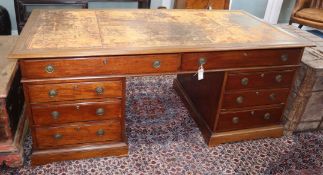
(163, 139)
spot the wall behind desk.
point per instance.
(255, 7)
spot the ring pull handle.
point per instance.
(156, 64)
(57, 136)
(100, 132)
(55, 115)
(239, 100)
(267, 116)
(100, 111)
(279, 78)
(99, 90)
(235, 120)
(52, 93)
(202, 61)
(284, 57)
(272, 96)
(244, 81)
(49, 68)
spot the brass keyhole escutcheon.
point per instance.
(49, 68)
(100, 132)
(202, 61)
(267, 116)
(239, 100)
(100, 111)
(244, 81)
(52, 93)
(235, 120)
(57, 136)
(284, 57)
(279, 78)
(99, 90)
(55, 115)
(156, 64)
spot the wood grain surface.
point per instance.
(8, 67)
(73, 33)
(248, 119)
(43, 114)
(74, 91)
(77, 133)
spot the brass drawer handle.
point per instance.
(279, 78)
(235, 120)
(55, 115)
(99, 90)
(284, 57)
(244, 81)
(272, 96)
(49, 68)
(100, 132)
(57, 136)
(267, 116)
(156, 64)
(100, 111)
(52, 93)
(202, 61)
(239, 100)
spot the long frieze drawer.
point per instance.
(256, 80)
(248, 119)
(96, 66)
(47, 114)
(241, 59)
(102, 131)
(74, 91)
(254, 98)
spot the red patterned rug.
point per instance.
(163, 139)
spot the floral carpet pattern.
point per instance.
(163, 139)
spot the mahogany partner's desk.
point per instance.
(74, 64)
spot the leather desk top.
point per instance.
(79, 33)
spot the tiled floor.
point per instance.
(163, 139)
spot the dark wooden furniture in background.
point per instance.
(13, 125)
(24, 7)
(74, 82)
(202, 4)
(5, 23)
(308, 13)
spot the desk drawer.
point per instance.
(47, 114)
(96, 66)
(254, 98)
(74, 91)
(241, 59)
(258, 80)
(102, 131)
(248, 119)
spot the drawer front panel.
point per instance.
(241, 59)
(248, 119)
(254, 98)
(102, 131)
(257, 80)
(47, 114)
(74, 91)
(96, 66)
